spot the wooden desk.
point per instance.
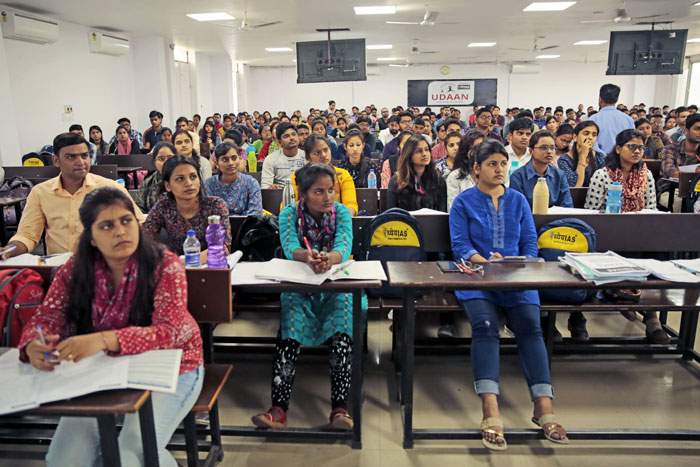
(142, 161)
(578, 196)
(417, 278)
(271, 199)
(7, 201)
(355, 287)
(41, 174)
(367, 201)
(105, 406)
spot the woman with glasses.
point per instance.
(152, 186)
(542, 150)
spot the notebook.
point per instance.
(23, 387)
(283, 270)
(28, 259)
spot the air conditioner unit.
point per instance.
(525, 69)
(101, 43)
(28, 28)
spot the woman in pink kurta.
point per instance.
(121, 294)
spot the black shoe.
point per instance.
(557, 335)
(578, 330)
(658, 336)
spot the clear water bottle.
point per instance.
(216, 256)
(192, 249)
(613, 203)
(372, 179)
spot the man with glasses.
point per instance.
(540, 166)
(484, 123)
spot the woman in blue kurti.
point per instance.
(314, 318)
(490, 221)
(240, 191)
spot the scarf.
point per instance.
(320, 236)
(124, 149)
(633, 189)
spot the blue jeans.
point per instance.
(77, 441)
(524, 320)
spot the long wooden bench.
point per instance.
(41, 174)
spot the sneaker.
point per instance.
(274, 418)
(578, 330)
(340, 420)
(446, 331)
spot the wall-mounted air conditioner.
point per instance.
(29, 28)
(525, 69)
(107, 44)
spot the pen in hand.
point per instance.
(50, 357)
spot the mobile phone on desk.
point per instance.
(448, 266)
(510, 259)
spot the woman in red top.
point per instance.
(123, 294)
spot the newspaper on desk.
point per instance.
(604, 268)
(23, 387)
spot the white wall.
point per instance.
(214, 83)
(559, 83)
(44, 78)
(9, 137)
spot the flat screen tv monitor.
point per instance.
(647, 52)
(339, 60)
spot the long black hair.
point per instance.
(310, 144)
(173, 163)
(578, 129)
(406, 176)
(180, 131)
(622, 138)
(82, 286)
(463, 162)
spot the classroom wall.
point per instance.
(558, 83)
(9, 137)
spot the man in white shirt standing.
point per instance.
(279, 164)
(519, 134)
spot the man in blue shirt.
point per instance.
(610, 120)
(524, 179)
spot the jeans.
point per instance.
(524, 320)
(76, 442)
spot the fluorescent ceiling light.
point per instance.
(380, 47)
(547, 56)
(398, 65)
(278, 49)
(375, 10)
(590, 42)
(548, 6)
(695, 40)
(481, 44)
(388, 59)
(211, 16)
(696, 4)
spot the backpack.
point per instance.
(393, 235)
(33, 159)
(258, 238)
(21, 293)
(14, 187)
(692, 202)
(556, 238)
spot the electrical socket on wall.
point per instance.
(67, 109)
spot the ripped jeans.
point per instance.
(524, 320)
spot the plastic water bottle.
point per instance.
(613, 203)
(192, 249)
(121, 182)
(540, 197)
(513, 167)
(372, 179)
(252, 161)
(216, 257)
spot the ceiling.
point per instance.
(500, 21)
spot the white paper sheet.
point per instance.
(244, 274)
(666, 270)
(157, 370)
(428, 212)
(27, 259)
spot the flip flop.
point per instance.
(493, 426)
(550, 425)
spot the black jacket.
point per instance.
(435, 196)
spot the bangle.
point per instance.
(104, 341)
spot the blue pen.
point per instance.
(47, 355)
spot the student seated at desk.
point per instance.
(318, 151)
(486, 222)
(52, 206)
(152, 187)
(96, 138)
(124, 145)
(184, 207)
(391, 162)
(123, 294)
(445, 165)
(356, 162)
(625, 165)
(524, 179)
(582, 160)
(461, 177)
(184, 146)
(316, 318)
(240, 191)
(416, 184)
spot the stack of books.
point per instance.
(604, 268)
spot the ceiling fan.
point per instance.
(429, 19)
(621, 17)
(535, 47)
(246, 26)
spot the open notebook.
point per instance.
(28, 260)
(23, 387)
(283, 270)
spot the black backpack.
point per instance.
(556, 238)
(14, 187)
(258, 238)
(691, 203)
(393, 235)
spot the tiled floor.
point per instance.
(592, 392)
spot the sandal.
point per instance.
(274, 418)
(623, 295)
(493, 426)
(340, 420)
(550, 426)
